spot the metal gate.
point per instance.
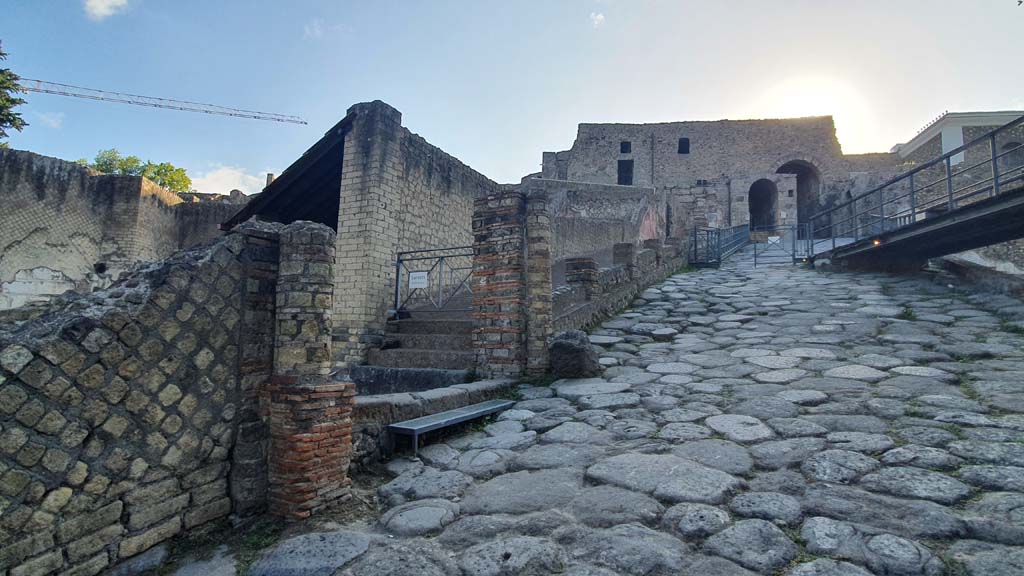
(435, 280)
(781, 244)
(709, 246)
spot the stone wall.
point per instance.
(710, 184)
(515, 308)
(588, 217)
(66, 227)
(132, 414)
(398, 193)
(594, 294)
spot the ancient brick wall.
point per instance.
(69, 228)
(398, 193)
(499, 284)
(132, 414)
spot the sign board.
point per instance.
(418, 280)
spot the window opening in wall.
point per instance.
(625, 172)
(99, 267)
(790, 194)
(625, 147)
(684, 145)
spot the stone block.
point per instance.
(207, 512)
(74, 528)
(90, 567)
(92, 543)
(40, 566)
(148, 513)
(142, 542)
(13, 554)
(441, 399)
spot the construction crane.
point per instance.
(44, 87)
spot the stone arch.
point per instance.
(763, 203)
(808, 187)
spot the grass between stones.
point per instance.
(245, 545)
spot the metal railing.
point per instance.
(781, 244)
(982, 168)
(433, 280)
(709, 246)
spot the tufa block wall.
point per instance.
(398, 193)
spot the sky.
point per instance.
(495, 83)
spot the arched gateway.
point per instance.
(763, 201)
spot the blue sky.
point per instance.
(496, 83)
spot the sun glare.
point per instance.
(821, 96)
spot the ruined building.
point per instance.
(376, 280)
(724, 173)
(67, 227)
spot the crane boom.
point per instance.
(44, 87)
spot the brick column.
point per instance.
(582, 271)
(310, 416)
(499, 302)
(538, 282)
(624, 254)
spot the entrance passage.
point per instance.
(808, 186)
(763, 201)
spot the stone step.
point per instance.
(429, 326)
(387, 380)
(455, 342)
(419, 358)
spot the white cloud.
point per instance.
(224, 179)
(51, 119)
(314, 29)
(597, 19)
(317, 28)
(100, 9)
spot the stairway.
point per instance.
(442, 343)
(425, 350)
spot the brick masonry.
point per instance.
(132, 414)
(499, 283)
(310, 415)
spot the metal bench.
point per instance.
(425, 424)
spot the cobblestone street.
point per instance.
(772, 420)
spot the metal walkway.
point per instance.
(969, 197)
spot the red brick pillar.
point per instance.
(499, 299)
(310, 415)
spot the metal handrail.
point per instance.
(877, 211)
(717, 243)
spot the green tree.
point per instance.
(165, 174)
(9, 89)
